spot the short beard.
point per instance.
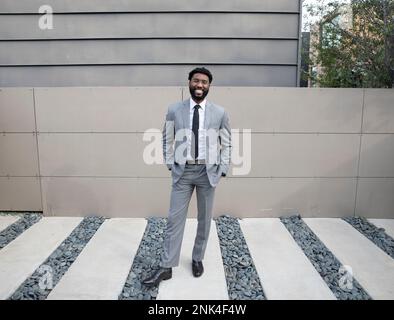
(194, 97)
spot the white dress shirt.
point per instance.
(201, 130)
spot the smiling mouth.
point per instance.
(198, 91)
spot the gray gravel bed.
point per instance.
(146, 261)
(243, 282)
(17, 228)
(18, 213)
(324, 261)
(377, 235)
(39, 285)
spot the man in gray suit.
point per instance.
(197, 150)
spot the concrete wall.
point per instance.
(78, 151)
(150, 42)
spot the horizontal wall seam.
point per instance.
(153, 38)
(149, 64)
(149, 12)
(228, 177)
(150, 131)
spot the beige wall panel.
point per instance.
(263, 197)
(379, 111)
(299, 155)
(258, 197)
(110, 197)
(20, 194)
(377, 155)
(18, 154)
(150, 5)
(375, 198)
(100, 154)
(271, 155)
(16, 110)
(116, 148)
(292, 109)
(118, 109)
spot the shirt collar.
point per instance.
(202, 104)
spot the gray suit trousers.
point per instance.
(181, 193)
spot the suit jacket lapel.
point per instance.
(207, 118)
(186, 114)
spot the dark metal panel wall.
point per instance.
(29, 6)
(154, 51)
(150, 42)
(145, 75)
(156, 25)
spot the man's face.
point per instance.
(199, 86)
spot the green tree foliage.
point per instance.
(354, 44)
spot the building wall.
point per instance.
(79, 151)
(150, 42)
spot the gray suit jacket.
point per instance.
(218, 138)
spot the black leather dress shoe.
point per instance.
(155, 279)
(198, 268)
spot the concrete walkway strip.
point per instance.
(20, 258)
(285, 272)
(375, 234)
(212, 283)
(6, 221)
(371, 266)
(101, 269)
(386, 224)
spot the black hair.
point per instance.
(201, 70)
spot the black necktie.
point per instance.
(196, 125)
